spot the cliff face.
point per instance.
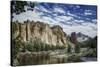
(32, 31)
(73, 37)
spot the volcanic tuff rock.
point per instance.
(73, 37)
(31, 31)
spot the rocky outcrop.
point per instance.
(32, 31)
(73, 37)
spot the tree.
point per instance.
(19, 6)
(69, 48)
(77, 48)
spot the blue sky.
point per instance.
(71, 17)
(78, 12)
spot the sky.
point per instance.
(71, 17)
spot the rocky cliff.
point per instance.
(32, 31)
(73, 37)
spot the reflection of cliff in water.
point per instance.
(46, 58)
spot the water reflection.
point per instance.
(45, 58)
(34, 59)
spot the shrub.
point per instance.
(77, 48)
(69, 48)
(30, 47)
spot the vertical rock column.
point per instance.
(23, 32)
(28, 32)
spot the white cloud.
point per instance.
(73, 15)
(79, 21)
(59, 10)
(87, 28)
(41, 8)
(87, 12)
(63, 18)
(94, 20)
(77, 6)
(49, 20)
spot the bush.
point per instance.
(69, 48)
(77, 48)
(30, 47)
(16, 46)
(91, 53)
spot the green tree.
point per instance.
(69, 48)
(77, 48)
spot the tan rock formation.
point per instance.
(31, 31)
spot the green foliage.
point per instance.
(91, 43)
(74, 58)
(77, 48)
(30, 47)
(40, 46)
(19, 6)
(16, 47)
(91, 53)
(69, 48)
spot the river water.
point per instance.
(53, 58)
(88, 59)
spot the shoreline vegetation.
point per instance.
(50, 57)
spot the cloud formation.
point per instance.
(72, 18)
